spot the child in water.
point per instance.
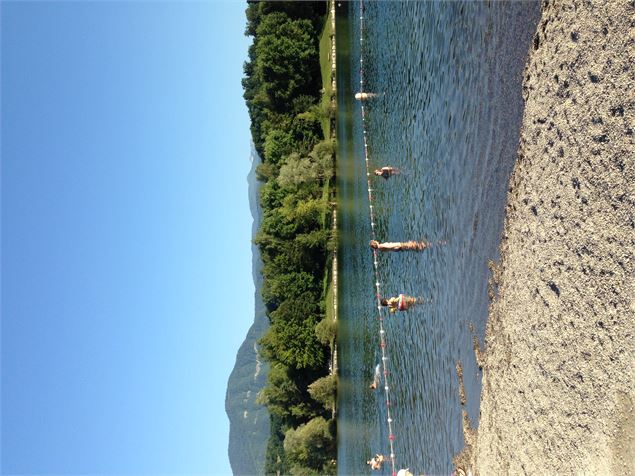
(386, 172)
(376, 462)
(399, 303)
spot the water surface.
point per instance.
(448, 115)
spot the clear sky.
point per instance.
(126, 233)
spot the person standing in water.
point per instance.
(387, 172)
(399, 303)
(400, 245)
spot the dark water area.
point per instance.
(449, 75)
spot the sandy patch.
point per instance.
(558, 384)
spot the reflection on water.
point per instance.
(449, 118)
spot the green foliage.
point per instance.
(311, 10)
(275, 458)
(309, 447)
(324, 154)
(282, 396)
(281, 77)
(286, 57)
(313, 240)
(291, 337)
(307, 129)
(276, 223)
(289, 286)
(323, 390)
(253, 14)
(306, 214)
(271, 195)
(278, 144)
(296, 171)
(326, 331)
(281, 90)
(266, 172)
(302, 103)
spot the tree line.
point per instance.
(282, 91)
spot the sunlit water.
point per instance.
(449, 114)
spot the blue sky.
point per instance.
(126, 259)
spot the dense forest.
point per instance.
(282, 89)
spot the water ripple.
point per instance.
(444, 119)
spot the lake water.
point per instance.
(449, 114)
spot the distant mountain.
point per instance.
(248, 421)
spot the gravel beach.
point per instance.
(559, 357)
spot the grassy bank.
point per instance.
(327, 73)
(328, 109)
(327, 106)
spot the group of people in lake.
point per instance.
(401, 302)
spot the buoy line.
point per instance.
(381, 312)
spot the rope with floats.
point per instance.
(381, 311)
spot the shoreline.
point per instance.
(558, 389)
(332, 134)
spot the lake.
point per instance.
(449, 110)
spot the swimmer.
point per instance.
(376, 378)
(364, 96)
(400, 246)
(386, 172)
(399, 303)
(376, 462)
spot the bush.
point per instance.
(309, 446)
(326, 331)
(323, 390)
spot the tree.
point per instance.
(306, 213)
(297, 170)
(287, 58)
(266, 172)
(289, 286)
(282, 396)
(278, 144)
(309, 446)
(271, 195)
(275, 459)
(276, 223)
(303, 103)
(254, 16)
(291, 337)
(281, 90)
(326, 331)
(259, 107)
(307, 129)
(314, 240)
(323, 154)
(323, 390)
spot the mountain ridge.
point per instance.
(248, 421)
